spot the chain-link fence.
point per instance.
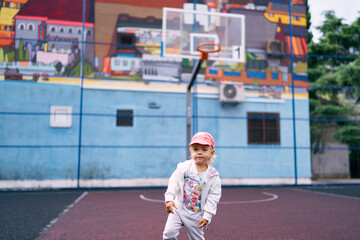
(88, 101)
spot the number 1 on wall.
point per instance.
(236, 52)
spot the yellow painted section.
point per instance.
(285, 19)
(153, 86)
(120, 85)
(7, 15)
(283, 95)
(147, 45)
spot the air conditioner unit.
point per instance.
(274, 47)
(232, 93)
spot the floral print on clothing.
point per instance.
(193, 185)
(192, 192)
(212, 171)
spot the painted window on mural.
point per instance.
(124, 118)
(263, 128)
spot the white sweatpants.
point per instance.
(182, 218)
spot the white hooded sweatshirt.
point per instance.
(211, 191)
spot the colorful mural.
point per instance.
(46, 39)
(37, 39)
(8, 9)
(57, 130)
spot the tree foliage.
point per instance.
(21, 50)
(73, 69)
(334, 76)
(2, 55)
(334, 72)
(338, 39)
(308, 23)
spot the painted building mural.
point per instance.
(39, 39)
(46, 40)
(116, 47)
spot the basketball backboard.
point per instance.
(184, 29)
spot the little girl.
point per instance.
(194, 190)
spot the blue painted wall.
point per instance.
(31, 149)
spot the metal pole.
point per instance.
(293, 92)
(81, 88)
(188, 104)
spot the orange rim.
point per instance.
(205, 52)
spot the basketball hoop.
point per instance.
(205, 52)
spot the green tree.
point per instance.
(334, 77)
(308, 23)
(73, 69)
(75, 72)
(58, 67)
(2, 55)
(10, 56)
(27, 55)
(21, 51)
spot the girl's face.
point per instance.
(201, 153)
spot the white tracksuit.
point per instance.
(210, 197)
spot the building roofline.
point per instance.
(31, 18)
(70, 23)
(57, 22)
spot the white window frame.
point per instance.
(21, 25)
(31, 25)
(60, 116)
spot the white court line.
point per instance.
(52, 222)
(151, 200)
(325, 193)
(273, 197)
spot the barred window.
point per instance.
(124, 118)
(263, 128)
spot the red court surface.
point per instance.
(244, 213)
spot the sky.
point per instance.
(346, 9)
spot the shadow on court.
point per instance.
(23, 215)
(321, 212)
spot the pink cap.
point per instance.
(203, 138)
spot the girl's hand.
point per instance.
(203, 222)
(170, 205)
